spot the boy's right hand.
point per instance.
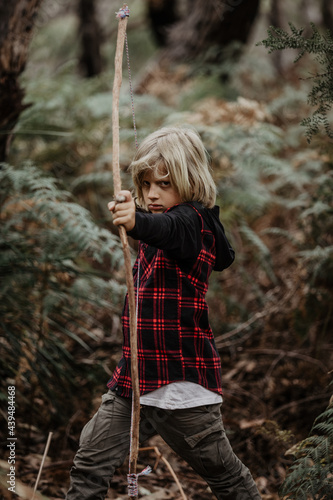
(123, 212)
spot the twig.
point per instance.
(291, 354)
(172, 472)
(220, 340)
(42, 463)
(299, 402)
(69, 426)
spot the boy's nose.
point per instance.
(152, 194)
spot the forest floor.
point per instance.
(271, 397)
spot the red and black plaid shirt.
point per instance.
(175, 341)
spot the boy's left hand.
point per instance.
(123, 212)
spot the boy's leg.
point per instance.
(104, 444)
(198, 436)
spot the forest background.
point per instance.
(62, 278)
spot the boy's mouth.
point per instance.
(155, 208)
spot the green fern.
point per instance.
(321, 94)
(56, 267)
(311, 476)
(320, 262)
(263, 254)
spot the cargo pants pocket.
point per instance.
(206, 449)
(98, 430)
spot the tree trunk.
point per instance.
(16, 30)
(275, 19)
(327, 14)
(162, 14)
(211, 23)
(90, 60)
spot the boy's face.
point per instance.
(158, 193)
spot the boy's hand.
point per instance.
(123, 212)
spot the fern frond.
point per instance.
(317, 209)
(321, 94)
(51, 288)
(94, 179)
(278, 231)
(311, 474)
(262, 252)
(317, 254)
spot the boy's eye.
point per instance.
(165, 183)
(145, 184)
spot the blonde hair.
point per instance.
(179, 153)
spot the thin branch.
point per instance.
(42, 463)
(292, 354)
(298, 403)
(172, 472)
(220, 340)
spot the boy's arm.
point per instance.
(177, 231)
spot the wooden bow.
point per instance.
(122, 15)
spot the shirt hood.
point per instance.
(225, 254)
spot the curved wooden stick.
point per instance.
(127, 256)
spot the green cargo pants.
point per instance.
(196, 434)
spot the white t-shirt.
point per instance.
(179, 395)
